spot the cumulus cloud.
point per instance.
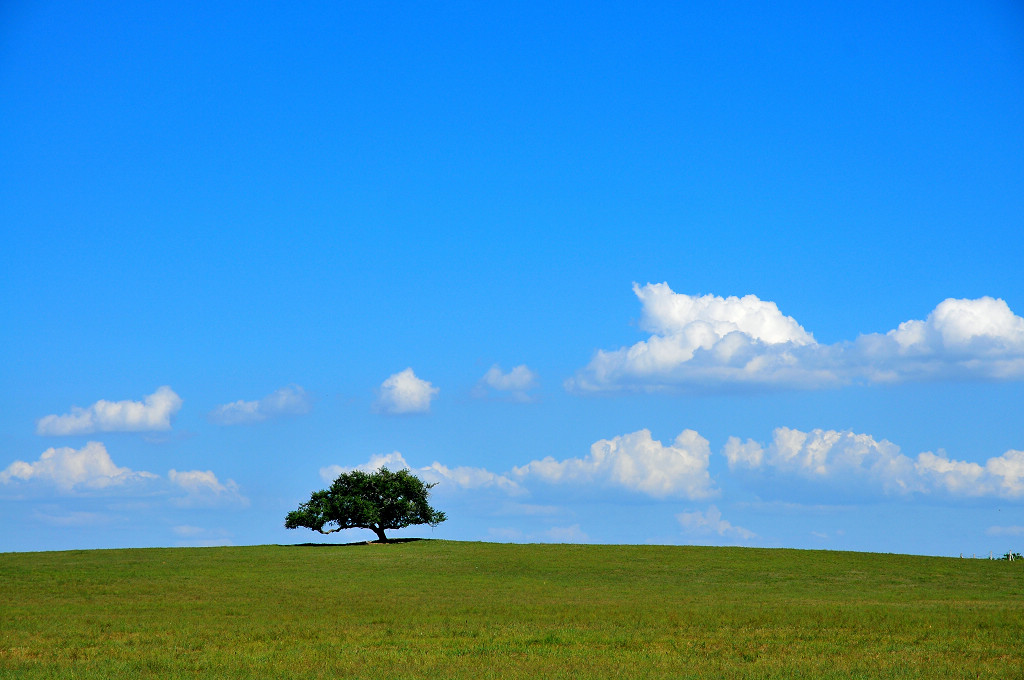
(836, 463)
(1001, 476)
(848, 459)
(466, 477)
(403, 392)
(290, 400)
(710, 342)
(392, 461)
(72, 469)
(636, 462)
(632, 461)
(979, 338)
(92, 469)
(153, 413)
(202, 488)
(516, 383)
(461, 477)
(711, 522)
(828, 454)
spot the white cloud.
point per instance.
(828, 455)
(290, 400)
(1002, 476)
(637, 462)
(465, 477)
(202, 488)
(710, 342)
(711, 522)
(703, 321)
(984, 325)
(153, 413)
(91, 469)
(516, 383)
(462, 477)
(847, 459)
(393, 461)
(633, 461)
(70, 469)
(978, 338)
(405, 393)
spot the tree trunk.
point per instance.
(380, 534)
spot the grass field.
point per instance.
(480, 610)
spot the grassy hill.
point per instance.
(480, 610)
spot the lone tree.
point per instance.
(367, 500)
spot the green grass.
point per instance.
(479, 610)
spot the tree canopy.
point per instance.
(367, 500)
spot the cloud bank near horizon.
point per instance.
(152, 413)
(815, 463)
(709, 342)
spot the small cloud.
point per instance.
(153, 413)
(403, 392)
(711, 522)
(202, 488)
(516, 383)
(72, 469)
(290, 400)
(637, 462)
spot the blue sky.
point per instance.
(740, 274)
